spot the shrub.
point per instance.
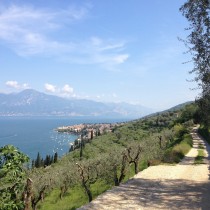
(175, 154)
(204, 132)
(154, 162)
(180, 130)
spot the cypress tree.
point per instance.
(38, 161)
(55, 158)
(47, 160)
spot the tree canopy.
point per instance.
(198, 43)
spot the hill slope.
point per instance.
(182, 186)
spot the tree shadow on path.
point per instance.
(155, 194)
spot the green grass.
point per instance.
(73, 199)
(99, 187)
(199, 158)
(76, 196)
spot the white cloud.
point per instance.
(26, 29)
(67, 89)
(30, 31)
(50, 88)
(16, 85)
(25, 86)
(13, 84)
(107, 53)
(120, 58)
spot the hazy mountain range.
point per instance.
(33, 103)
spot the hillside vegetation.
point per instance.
(106, 161)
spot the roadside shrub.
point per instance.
(182, 149)
(175, 154)
(204, 132)
(154, 162)
(188, 140)
(180, 130)
(172, 156)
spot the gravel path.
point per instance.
(183, 186)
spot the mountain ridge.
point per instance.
(30, 102)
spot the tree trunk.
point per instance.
(63, 191)
(28, 195)
(136, 167)
(41, 197)
(81, 149)
(116, 181)
(87, 190)
(123, 168)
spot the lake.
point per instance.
(33, 135)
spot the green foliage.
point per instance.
(199, 158)
(55, 158)
(181, 147)
(203, 113)
(38, 162)
(205, 133)
(198, 44)
(75, 196)
(188, 113)
(12, 177)
(180, 130)
(107, 160)
(197, 14)
(74, 199)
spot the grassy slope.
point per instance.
(137, 131)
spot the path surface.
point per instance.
(183, 186)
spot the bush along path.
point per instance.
(182, 186)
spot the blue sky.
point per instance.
(110, 51)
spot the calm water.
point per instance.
(33, 135)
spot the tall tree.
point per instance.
(197, 12)
(38, 161)
(55, 159)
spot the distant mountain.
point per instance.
(33, 103)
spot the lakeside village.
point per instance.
(86, 132)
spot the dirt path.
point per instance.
(183, 186)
